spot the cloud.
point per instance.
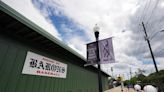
(152, 16)
(72, 21)
(111, 19)
(27, 9)
(78, 44)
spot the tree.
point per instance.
(155, 79)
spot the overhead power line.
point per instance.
(147, 5)
(152, 12)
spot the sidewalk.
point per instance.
(118, 89)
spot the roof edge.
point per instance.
(12, 12)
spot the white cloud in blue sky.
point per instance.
(72, 22)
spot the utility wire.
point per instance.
(152, 12)
(151, 23)
(147, 5)
(155, 26)
(143, 16)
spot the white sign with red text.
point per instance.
(39, 65)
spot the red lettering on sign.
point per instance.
(45, 72)
(38, 71)
(48, 73)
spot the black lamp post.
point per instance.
(96, 31)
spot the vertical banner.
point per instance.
(106, 52)
(91, 53)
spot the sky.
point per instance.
(72, 22)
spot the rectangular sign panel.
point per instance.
(36, 64)
(91, 53)
(106, 53)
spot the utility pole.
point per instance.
(112, 72)
(147, 39)
(130, 73)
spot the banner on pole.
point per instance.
(106, 52)
(91, 54)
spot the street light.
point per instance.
(96, 32)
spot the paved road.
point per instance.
(118, 89)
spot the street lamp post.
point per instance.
(96, 32)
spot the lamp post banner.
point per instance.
(91, 53)
(106, 52)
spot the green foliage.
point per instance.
(156, 79)
(134, 80)
(126, 82)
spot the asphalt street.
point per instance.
(118, 89)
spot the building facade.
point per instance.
(20, 39)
